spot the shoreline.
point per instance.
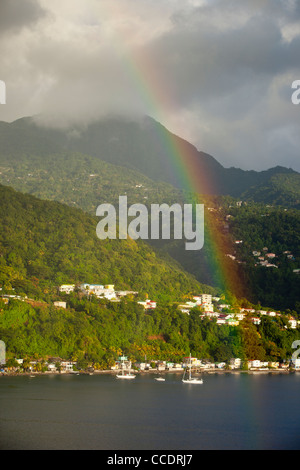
(146, 372)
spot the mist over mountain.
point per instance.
(147, 146)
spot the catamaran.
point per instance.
(190, 379)
(125, 374)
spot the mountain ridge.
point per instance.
(146, 146)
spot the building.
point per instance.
(60, 304)
(204, 301)
(262, 312)
(148, 304)
(296, 363)
(235, 363)
(293, 323)
(100, 291)
(239, 316)
(232, 322)
(187, 361)
(67, 288)
(254, 364)
(206, 298)
(123, 293)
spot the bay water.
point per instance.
(100, 412)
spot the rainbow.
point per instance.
(184, 162)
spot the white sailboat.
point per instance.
(159, 379)
(190, 379)
(125, 374)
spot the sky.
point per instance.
(215, 72)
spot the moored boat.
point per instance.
(190, 379)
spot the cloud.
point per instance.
(16, 14)
(215, 72)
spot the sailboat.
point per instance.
(190, 379)
(125, 374)
(159, 378)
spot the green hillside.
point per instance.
(83, 168)
(45, 244)
(145, 146)
(243, 230)
(282, 189)
(81, 181)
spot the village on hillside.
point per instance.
(209, 306)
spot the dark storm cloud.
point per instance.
(201, 62)
(219, 72)
(15, 14)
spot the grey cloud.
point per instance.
(201, 64)
(15, 14)
(219, 72)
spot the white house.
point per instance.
(293, 323)
(67, 288)
(262, 312)
(67, 366)
(148, 304)
(211, 314)
(107, 291)
(206, 298)
(235, 363)
(123, 293)
(221, 365)
(222, 306)
(254, 364)
(296, 363)
(60, 304)
(239, 316)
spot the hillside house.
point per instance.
(123, 293)
(235, 363)
(296, 363)
(67, 288)
(100, 291)
(293, 323)
(148, 304)
(60, 304)
(222, 306)
(232, 322)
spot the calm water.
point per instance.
(228, 411)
